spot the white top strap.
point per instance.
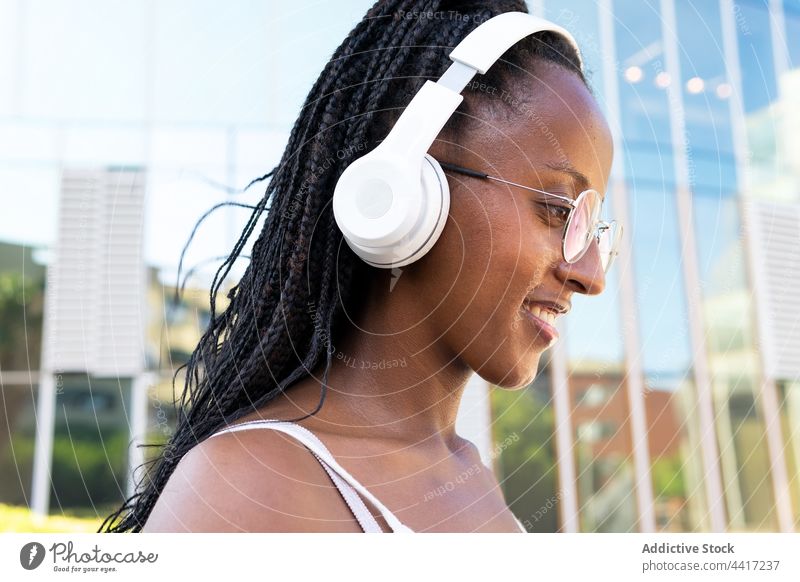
(354, 502)
(310, 440)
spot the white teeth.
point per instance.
(542, 314)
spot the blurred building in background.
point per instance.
(692, 352)
(672, 402)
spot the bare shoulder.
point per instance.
(252, 480)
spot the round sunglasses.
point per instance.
(582, 224)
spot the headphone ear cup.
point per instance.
(436, 191)
(440, 191)
(417, 203)
(431, 165)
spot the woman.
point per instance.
(372, 363)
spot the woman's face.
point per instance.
(497, 255)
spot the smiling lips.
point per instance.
(544, 319)
(542, 313)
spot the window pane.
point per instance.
(759, 89)
(727, 305)
(525, 458)
(670, 396)
(17, 437)
(580, 17)
(90, 444)
(789, 401)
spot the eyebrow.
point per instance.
(579, 178)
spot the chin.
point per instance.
(511, 375)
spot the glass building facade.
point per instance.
(672, 402)
(672, 417)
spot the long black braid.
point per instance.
(265, 340)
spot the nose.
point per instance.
(585, 275)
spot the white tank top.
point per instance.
(350, 489)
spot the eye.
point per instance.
(554, 214)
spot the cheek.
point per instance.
(490, 255)
(498, 265)
(480, 241)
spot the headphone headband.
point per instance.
(392, 204)
(482, 47)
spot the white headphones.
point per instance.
(392, 204)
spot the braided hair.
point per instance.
(265, 340)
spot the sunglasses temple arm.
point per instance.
(467, 171)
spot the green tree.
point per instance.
(523, 433)
(21, 311)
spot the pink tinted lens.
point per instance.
(582, 221)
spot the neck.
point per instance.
(392, 378)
